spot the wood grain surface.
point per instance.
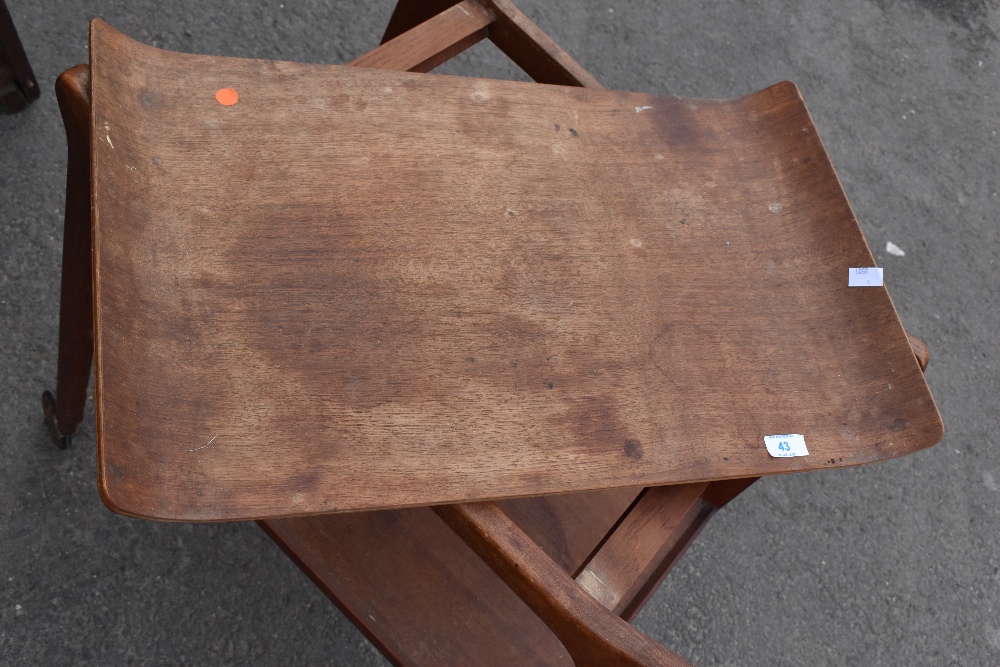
(363, 289)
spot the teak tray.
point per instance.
(359, 289)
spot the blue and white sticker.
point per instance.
(781, 446)
(870, 276)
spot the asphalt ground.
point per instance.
(891, 564)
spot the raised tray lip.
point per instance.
(124, 504)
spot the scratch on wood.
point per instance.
(205, 445)
(641, 109)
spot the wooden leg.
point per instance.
(18, 87)
(64, 410)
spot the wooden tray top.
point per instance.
(360, 289)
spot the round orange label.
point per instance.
(227, 97)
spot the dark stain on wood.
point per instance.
(633, 448)
(149, 98)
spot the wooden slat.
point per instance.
(432, 42)
(407, 14)
(674, 547)
(639, 544)
(593, 636)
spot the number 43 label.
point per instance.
(792, 444)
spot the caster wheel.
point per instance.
(61, 440)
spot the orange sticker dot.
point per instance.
(227, 97)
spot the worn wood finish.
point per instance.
(594, 327)
(432, 42)
(18, 87)
(76, 333)
(591, 634)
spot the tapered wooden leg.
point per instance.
(18, 87)
(64, 410)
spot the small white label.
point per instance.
(792, 444)
(865, 277)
